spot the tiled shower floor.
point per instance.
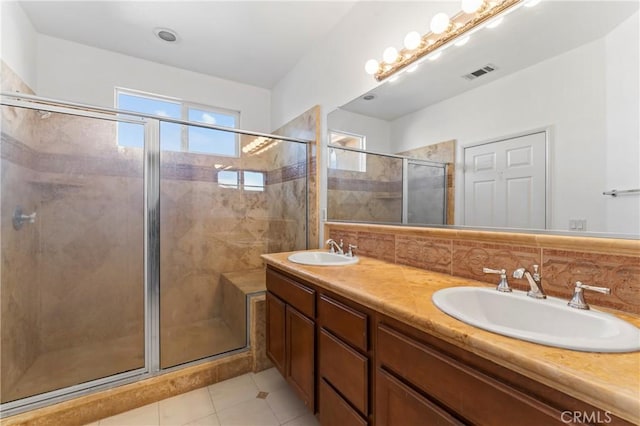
(198, 340)
(70, 366)
(261, 399)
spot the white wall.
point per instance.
(80, 73)
(623, 126)
(566, 92)
(332, 73)
(378, 132)
(19, 41)
(589, 97)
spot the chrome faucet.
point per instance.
(503, 285)
(335, 247)
(577, 301)
(19, 218)
(535, 289)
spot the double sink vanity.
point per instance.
(364, 341)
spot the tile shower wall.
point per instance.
(20, 295)
(564, 260)
(91, 219)
(305, 126)
(74, 277)
(374, 195)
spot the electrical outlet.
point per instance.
(577, 224)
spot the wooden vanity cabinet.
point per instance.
(345, 355)
(291, 333)
(358, 367)
(421, 376)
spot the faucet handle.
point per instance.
(350, 252)
(503, 285)
(536, 273)
(603, 290)
(577, 301)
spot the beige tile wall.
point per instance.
(76, 277)
(307, 126)
(613, 263)
(371, 196)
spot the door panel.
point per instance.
(301, 355)
(505, 183)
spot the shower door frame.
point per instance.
(151, 257)
(405, 186)
(151, 281)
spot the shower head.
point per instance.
(44, 114)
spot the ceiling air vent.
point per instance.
(480, 72)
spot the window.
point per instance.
(177, 137)
(253, 181)
(346, 160)
(247, 180)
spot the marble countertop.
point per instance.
(607, 381)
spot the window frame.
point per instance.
(185, 107)
(362, 156)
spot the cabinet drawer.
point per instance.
(478, 398)
(335, 411)
(397, 404)
(297, 295)
(346, 370)
(343, 321)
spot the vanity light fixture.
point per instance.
(475, 14)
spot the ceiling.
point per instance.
(526, 37)
(252, 42)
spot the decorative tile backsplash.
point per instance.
(563, 260)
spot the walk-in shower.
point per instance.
(365, 186)
(115, 244)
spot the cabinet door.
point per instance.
(300, 355)
(334, 410)
(276, 332)
(397, 404)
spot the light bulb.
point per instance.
(412, 40)
(495, 22)
(390, 55)
(434, 56)
(371, 67)
(439, 23)
(412, 68)
(531, 3)
(471, 6)
(462, 41)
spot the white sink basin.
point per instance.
(322, 258)
(548, 321)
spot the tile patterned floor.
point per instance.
(261, 399)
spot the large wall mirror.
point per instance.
(525, 126)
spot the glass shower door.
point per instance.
(72, 273)
(225, 199)
(426, 193)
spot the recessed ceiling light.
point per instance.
(166, 34)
